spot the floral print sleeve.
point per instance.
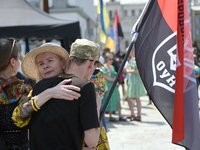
(11, 90)
(99, 83)
(22, 113)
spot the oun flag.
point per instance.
(118, 34)
(164, 42)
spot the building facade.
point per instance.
(195, 21)
(85, 12)
(128, 14)
(74, 10)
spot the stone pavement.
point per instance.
(152, 133)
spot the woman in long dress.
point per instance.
(114, 103)
(135, 88)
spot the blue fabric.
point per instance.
(197, 69)
(103, 119)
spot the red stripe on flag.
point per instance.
(169, 9)
(178, 118)
(117, 17)
(116, 41)
(118, 34)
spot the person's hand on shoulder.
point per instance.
(63, 91)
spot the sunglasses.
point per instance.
(12, 42)
(95, 63)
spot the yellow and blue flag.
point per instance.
(110, 43)
(104, 20)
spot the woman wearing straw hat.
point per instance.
(12, 90)
(60, 124)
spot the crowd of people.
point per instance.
(62, 110)
(132, 90)
(196, 56)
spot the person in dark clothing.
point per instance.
(67, 122)
(11, 91)
(22, 77)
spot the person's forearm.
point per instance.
(109, 78)
(27, 110)
(133, 71)
(43, 97)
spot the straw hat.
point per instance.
(29, 66)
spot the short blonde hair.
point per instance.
(39, 76)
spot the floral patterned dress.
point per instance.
(99, 84)
(11, 90)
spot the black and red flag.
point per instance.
(118, 33)
(164, 57)
(164, 42)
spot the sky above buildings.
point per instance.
(123, 1)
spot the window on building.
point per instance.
(111, 15)
(126, 44)
(197, 19)
(125, 13)
(110, 26)
(197, 31)
(140, 11)
(133, 12)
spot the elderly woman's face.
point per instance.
(49, 65)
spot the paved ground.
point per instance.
(153, 133)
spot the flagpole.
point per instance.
(97, 27)
(139, 25)
(135, 34)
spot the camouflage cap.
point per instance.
(85, 49)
